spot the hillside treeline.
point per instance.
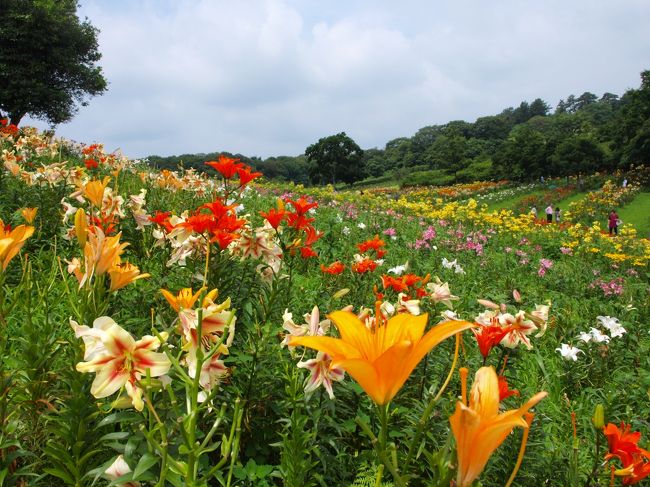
(583, 134)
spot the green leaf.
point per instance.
(146, 462)
(118, 435)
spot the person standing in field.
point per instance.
(533, 211)
(557, 214)
(549, 214)
(613, 222)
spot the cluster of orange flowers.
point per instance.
(624, 446)
(304, 232)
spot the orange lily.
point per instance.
(479, 428)
(94, 191)
(29, 214)
(11, 241)
(124, 274)
(186, 300)
(380, 358)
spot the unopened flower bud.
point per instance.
(599, 416)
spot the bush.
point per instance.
(436, 177)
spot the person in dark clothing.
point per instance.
(613, 222)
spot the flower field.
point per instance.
(199, 329)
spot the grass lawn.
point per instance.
(637, 212)
(509, 203)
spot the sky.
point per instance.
(270, 77)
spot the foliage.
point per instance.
(282, 258)
(335, 158)
(46, 74)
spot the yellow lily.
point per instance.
(380, 358)
(479, 428)
(81, 226)
(11, 241)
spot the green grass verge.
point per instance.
(637, 212)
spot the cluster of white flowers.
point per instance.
(452, 264)
(612, 325)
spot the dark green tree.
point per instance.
(576, 155)
(335, 158)
(48, 60)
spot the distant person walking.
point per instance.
(533, 211)
(557, 214)
(549, 214)
(625, 183)
(614, 222)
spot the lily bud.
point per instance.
(599, 417)
(81, 227)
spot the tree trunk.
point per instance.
(16, 117)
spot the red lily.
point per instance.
(333, 269)
(274, 217)
(226, 166)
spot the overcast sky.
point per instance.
(269, 77)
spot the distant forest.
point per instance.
(584, 134)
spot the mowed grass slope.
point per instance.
(637, 212)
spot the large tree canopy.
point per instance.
(47, 60)
(335, 158)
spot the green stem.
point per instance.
(381, 454)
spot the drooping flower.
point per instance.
(479, 427)
(122, 361)
(381, 357)
(322, 373)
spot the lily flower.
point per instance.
(623, 444)
(119, 468)
(11, 241)
(440, 293)
(321, 373)
(569, 352)
(94, 191)
(381, 357)
(29, 214)
(479, 427)
(122, 362)
(124, 274)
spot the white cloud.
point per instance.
(270, 77)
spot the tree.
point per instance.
(335, 158)
(47, 60)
